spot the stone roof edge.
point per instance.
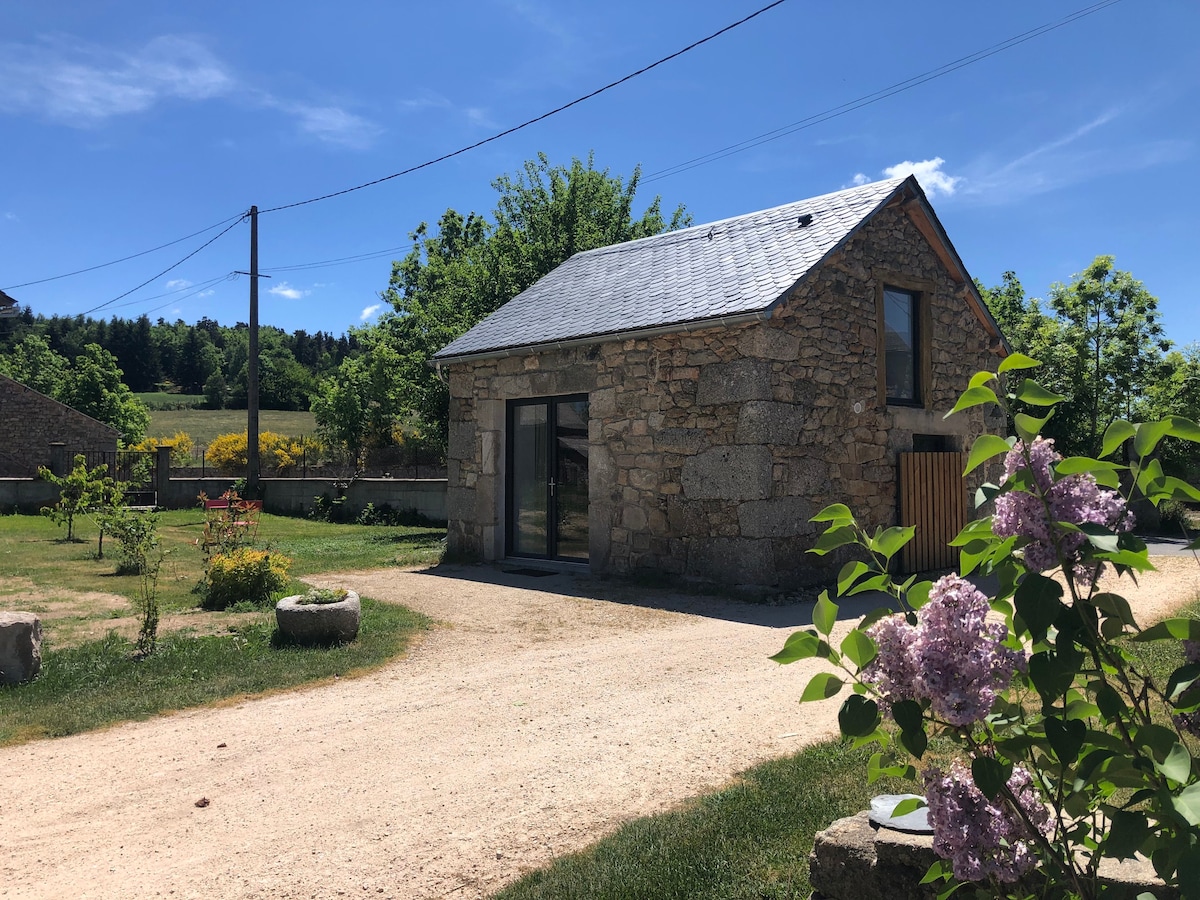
(599, 337)
(77, 412)
(970, 292)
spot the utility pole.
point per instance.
(252, 464)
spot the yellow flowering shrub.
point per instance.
(244, 574)
(181, 447)
(276, 451)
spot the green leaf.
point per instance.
(1178, 764)
(1038, 603)
(834, 537)
(824, 614)
(1099, 537)
(939, 871)
(980, 379)
(1074, 465)
(801, 645)
(1029, 391)
(915, 741)
(890, 541)
(1179, 629)
(1181, 681)
(1182, 428)
(1125, 836)
(1115, 605)
(874, 583)
(1066, 738)
(859, 648)
(1028, 427)
(838, 513)
(822, 686)
(1110, 702)
(918, 595)
(1016, 361)
(1050, 676)
(904, 807)
(1147, 436)
(1115, 435)
(990, 775)
(849, 574)
(1187, 804)
(858, 716)
(1157, 738)
(973, 396)
(986, 446)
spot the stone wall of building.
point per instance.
(30, 422)
(710, 450)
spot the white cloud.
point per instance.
(860, 179)
(82, 85)
(207, 293)
(283, 289)
(929, 173)
(178, 284)
(370, 311)
(426, 99)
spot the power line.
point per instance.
(167, 269)
(193, 288)
(114, 262)
(874, 97)
(533, 121)
(340, 261)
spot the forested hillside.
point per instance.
(205, 358)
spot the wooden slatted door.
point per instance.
(933, 497)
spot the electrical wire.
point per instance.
(874, 97)
(194, 288)
(114, 262)
(340, 261)
(239, 220)
(533, 121)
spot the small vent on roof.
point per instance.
(805, 220)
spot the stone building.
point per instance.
(36, 430)
(685, 402)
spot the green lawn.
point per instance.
(90, 677)
(203, 425)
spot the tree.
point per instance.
(468, 267)
(358, 406)
(35, 365)
(1111, 324)
(96, 388)
(1100, 344)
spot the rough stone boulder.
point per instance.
(20, 647)
(319, 623)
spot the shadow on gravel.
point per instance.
(671, 598)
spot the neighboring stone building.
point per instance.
(31, 424)
(685, 402)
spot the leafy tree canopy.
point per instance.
(468, 267)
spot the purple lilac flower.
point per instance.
(954, 657)
(961, 660)
(1076, 499)
(981, 838)
(893, 671)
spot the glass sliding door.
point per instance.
(548, 478)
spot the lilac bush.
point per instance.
(1037, 515)
(953, 657)
(985, 838)
(1066, 753)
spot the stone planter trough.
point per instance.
(319, 623)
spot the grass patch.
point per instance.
(79, 595)
(89, 676)
(749, 840)
(204, 425)
(160, 400)
(99, 683)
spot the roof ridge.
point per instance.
(705, 227)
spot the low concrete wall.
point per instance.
(285, 496)
(294, 496)
(26, 495)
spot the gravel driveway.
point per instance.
(543, 713)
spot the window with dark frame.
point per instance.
(902, 357)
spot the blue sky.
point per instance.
(129, 124)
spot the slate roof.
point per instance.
(733, 267)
